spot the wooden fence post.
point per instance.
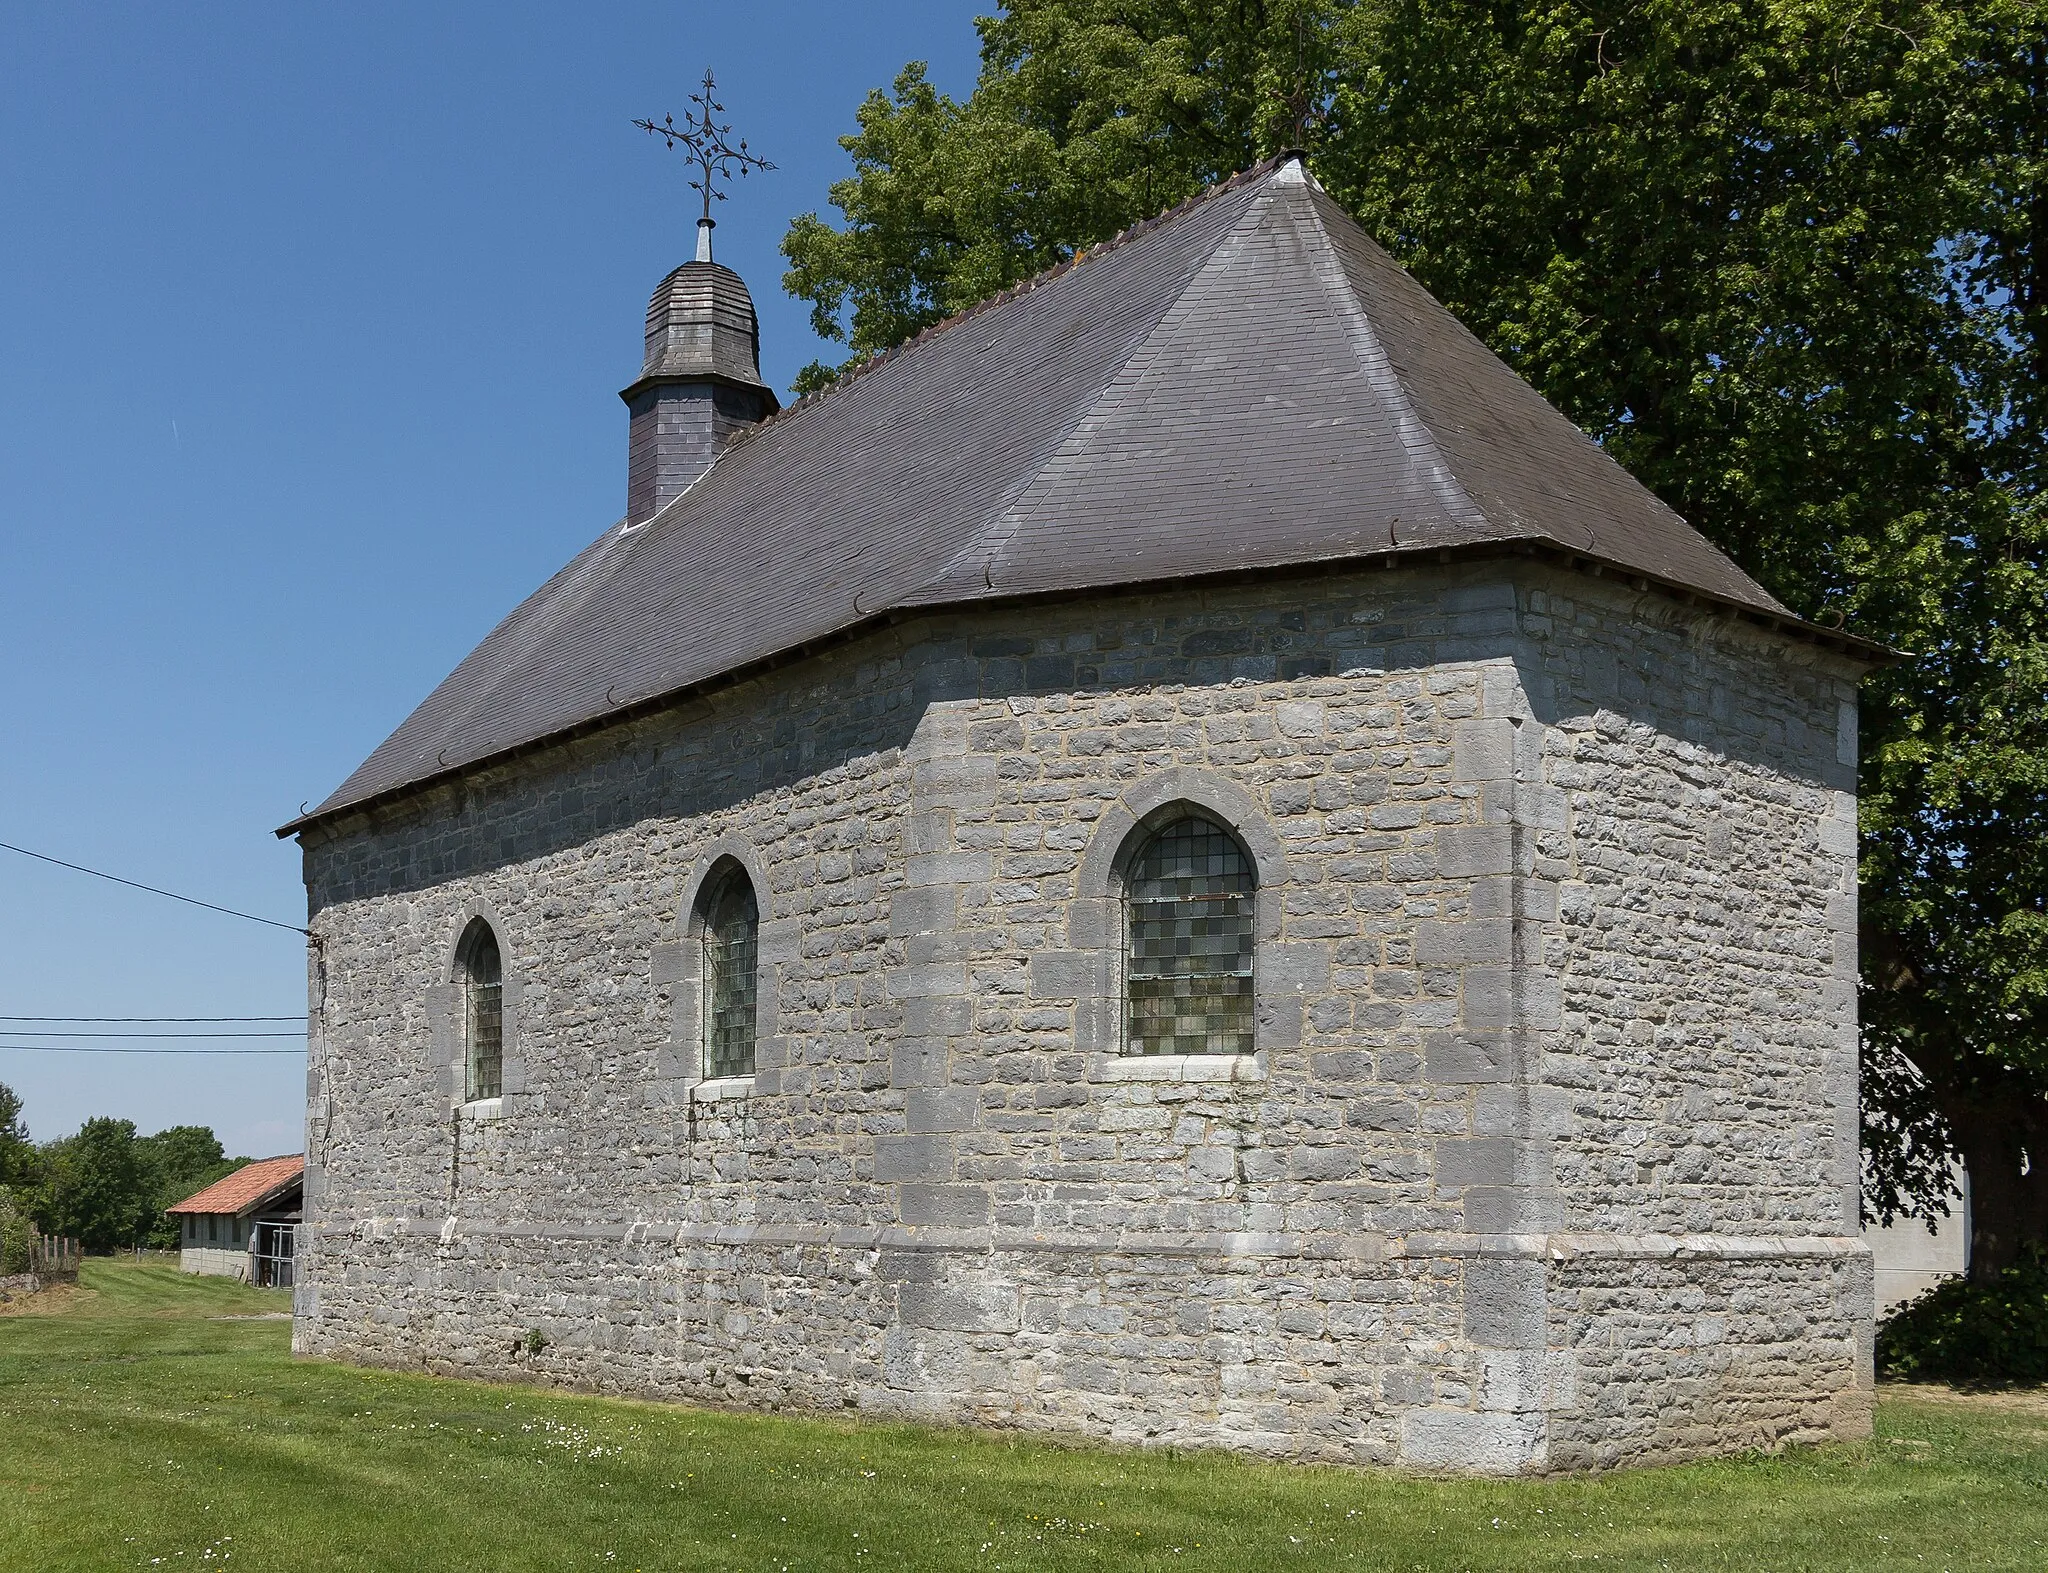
(53, 1258)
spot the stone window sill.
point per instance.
(482, 1111)
(1179, 1067)
(719, 1089)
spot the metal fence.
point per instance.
(273, 1254)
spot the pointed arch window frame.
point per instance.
(480, 986)
(1190, 939)
(482, 978)
(728, 927)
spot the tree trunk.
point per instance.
(1999, 1123)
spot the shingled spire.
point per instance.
(701, 380)
(700, 383)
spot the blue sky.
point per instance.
(313, 325)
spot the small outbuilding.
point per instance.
(246, 1225)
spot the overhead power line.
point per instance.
(152, 1018)
(43, 1034)
(133, 884)
(96, 1048)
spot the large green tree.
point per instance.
(18, 1163)
(1783, 257)
(96, 1187)
(20, 1169)
(178, 1162)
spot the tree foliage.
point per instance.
(1992, 1330)
(19, 1168)
(94, 1186)
(1783, 257)
(177, 1162)
(1088, 117)
(17, 1155)
(16, 1231)
(105, 1186)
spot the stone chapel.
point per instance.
(1179, 859)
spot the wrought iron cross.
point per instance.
(706, 141)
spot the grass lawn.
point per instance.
(145, 1422)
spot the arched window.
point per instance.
(1188, 932)
(732, 933)
(483, 1013)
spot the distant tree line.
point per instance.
(104, 1186)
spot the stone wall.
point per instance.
(1713, 1345)
(1555, 1028)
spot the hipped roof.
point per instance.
(249, 1188)
(1247, 382)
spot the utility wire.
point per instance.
(152, 1018)
(190, 901)
(41, 1034)
(94, 1048)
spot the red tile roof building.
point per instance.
(245, 1225)
(247, 1188)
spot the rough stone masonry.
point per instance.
(1547, 1157)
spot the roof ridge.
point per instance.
(1012, 292)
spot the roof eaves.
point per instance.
(1579, 559)
(1785, 623)
(274, 1194)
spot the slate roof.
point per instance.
(248, 1188)
(1246, 382)
(701, 325)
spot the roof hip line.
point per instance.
(1010, 292)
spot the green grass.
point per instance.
(137, 1429)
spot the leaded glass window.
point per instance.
(732, 933)
(1188, 942)
(483, 988)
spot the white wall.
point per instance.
(1909, 1260)
(218, 1261)
(214, 1245)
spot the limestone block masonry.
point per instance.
(1546, 1158)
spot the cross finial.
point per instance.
(706, 140)
(1305, 105)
